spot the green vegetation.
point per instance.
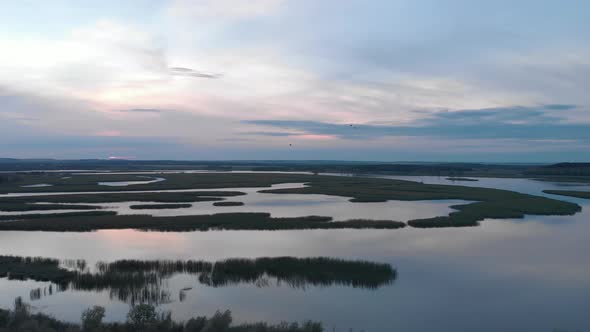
(562, 169)
(227, 203)
(86, 183)
(22, 206)
(220, 221)
(559, 170)
(567, 179)
(159, 197)
(134, 281)
(487, 203)
(470, 214)
(140, 318)
(35, 268)
(571, 193)
(461, 179)
(50, 216)
(74, 201)
(296, 272)
(10, 178)
(317, 271)
(159, 206)
(59, 179)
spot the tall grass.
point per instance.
(136, 281)
(159, 206)
(85, 222)
(571, 193)
(487, 202)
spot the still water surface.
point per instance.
(531, 274)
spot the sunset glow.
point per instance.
(171, 79)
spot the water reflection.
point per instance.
(40, 185)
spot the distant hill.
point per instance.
(569, 165)
(316, 166)
(564, 169)
(14, 160)
(409, 168)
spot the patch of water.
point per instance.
(39, 185)
(131, 183)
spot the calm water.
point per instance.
(40, 185)
(506, 275)
(131, 183)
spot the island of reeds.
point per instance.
(136, 281)
(484, 202)
(570, 193)
(228, 203)
(159, 206)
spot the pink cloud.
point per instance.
(120, 157)
(317, 137)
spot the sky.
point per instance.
(370, 80)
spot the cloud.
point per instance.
(509, 115)
(188, 72)
(61, 118)
(561, 107)
(236, 140)
(222, 9)
(521, 123)
(109, 133)
(269, 133)
(440, 73)
(120, 158)
(142, 110)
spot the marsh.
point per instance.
(442, 273)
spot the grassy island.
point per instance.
(481, 203)
(570, 193)
(220, 221)
(159, 206)
(134, 276)
(226, 203)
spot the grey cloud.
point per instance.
(270, 133)
(76, 147)
(21, 118)
(87, 142)
(519, 114)
(188, 72)
(560, 107)
(236, 139)
(524, 123)
(142, 110)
